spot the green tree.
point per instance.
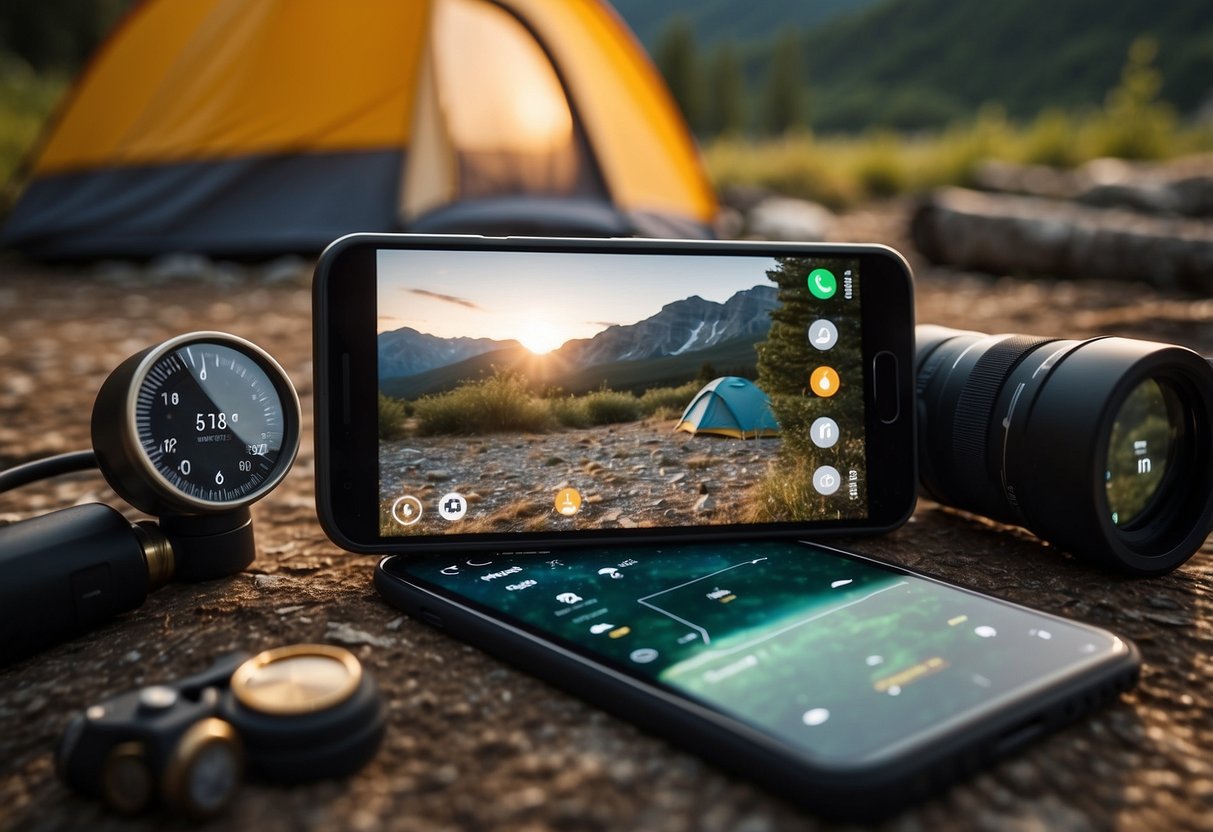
(785, 97)
(725, 113)
(57, 35)
(1137, 125)
(677, 58)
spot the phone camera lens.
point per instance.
(1102, 447)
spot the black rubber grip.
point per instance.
(971, 419)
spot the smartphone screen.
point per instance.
(844, 659)
(569, 391)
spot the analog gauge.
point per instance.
(203, 422)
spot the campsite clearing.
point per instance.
(624, 473)
(473, 743)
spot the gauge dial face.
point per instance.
(212, 423)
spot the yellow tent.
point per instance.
(251, 127)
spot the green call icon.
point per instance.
(822, 283)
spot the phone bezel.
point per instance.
(345, 365)
(916, 766)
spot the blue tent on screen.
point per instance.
(730, 406)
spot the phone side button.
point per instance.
(885, 387)
(432, 618)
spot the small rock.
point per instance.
(1169, 620)
(289, 610)
(288, 269)
(783, 218)
(438, 475)
(627, 523)
(267, 581)
(395, 623)
(349, 634)
(180, 267)
(19, 384)
(677, 478)
(132, 657)
(705, 504)
(1162, 602)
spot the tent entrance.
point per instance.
(494, 122)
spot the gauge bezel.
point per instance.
(250, 698)
(165, 490)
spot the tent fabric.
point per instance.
(730, 406)
(238, 127)
(213, 207)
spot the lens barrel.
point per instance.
(1019, 428)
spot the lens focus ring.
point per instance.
(971, 420)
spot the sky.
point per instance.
(543, 299)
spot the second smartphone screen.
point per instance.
(555, 391)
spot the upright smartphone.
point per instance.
(471, 390)
(848, 685)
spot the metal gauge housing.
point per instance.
(203, 422)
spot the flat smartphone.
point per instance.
(849, 685)
(563, 392)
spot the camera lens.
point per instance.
(1102, 447)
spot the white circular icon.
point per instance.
(826, 480)
(644, 655)
(823, 334)
(815, 716)
(985, 631)
(824, 432)
(406, 510)
(452, 506)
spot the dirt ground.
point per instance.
(475, 744)
(631, 475)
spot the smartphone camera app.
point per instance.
(541, 391)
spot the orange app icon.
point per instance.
(824, 381)
(568, 501)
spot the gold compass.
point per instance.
(297, 679)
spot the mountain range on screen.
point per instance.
(683, 327)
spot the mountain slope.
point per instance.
(405, 351)
(915, 63)
(924, 63)
(716, 20)
(736, 357)
(665, 348)
(684, 326)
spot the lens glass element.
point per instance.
(1142, 443)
